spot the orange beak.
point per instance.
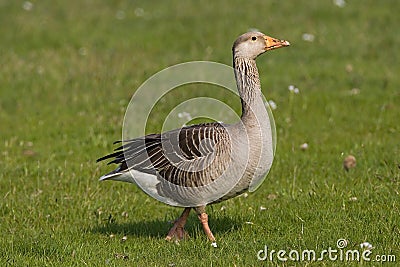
(273, 43)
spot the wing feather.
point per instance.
(183, 157)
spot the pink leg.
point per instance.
(178, 230)
(203, 217)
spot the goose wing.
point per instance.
(189, 157)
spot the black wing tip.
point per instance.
(117, 157)
(111, 155)
(101, 159)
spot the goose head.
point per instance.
(252, 44)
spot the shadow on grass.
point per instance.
(160, 228)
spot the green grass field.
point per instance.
(69, 68)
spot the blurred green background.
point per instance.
(69, 68)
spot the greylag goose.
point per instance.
(206, 163)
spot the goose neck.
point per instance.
(249, 87)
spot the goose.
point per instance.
(207, 163)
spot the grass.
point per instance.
(68, 71)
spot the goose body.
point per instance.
(206, 163)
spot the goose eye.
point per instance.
(253, 38)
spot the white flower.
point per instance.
(262, 208)
(366, 246)
(308, 37)
(272, 104)
(139, 12)
(27, 6)
(293, 89)
(339, 3)
(304, 146)
(354, 91)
